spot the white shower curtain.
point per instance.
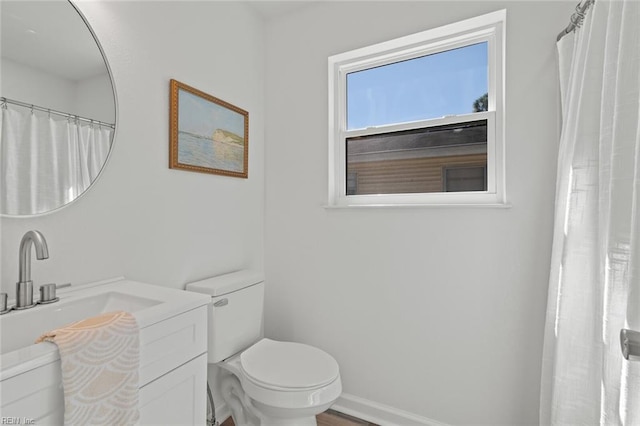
(47, 161)
(594, 288)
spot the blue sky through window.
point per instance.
(432, 86)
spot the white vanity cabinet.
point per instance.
(173, 353)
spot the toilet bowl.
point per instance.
(264, 382)
(284, 382)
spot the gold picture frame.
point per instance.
(207, 134)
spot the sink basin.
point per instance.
(19, 329)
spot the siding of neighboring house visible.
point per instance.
(408, 175)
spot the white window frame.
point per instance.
(488, 28)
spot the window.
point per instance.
(419, 119)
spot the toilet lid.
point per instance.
(288, 365)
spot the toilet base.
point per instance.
(300, 421)
(249, 412)
(270, 416)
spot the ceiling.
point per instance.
(51, 36)
(272, 9)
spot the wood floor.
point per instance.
(328, 418)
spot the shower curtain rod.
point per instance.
(5, 101)
(576, 18)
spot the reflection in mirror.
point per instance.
(57, 104)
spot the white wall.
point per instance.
(141, 219)
(93, 98)
(27, 84)
(435, 311)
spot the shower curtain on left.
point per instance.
(46, 161)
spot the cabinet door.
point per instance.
(34, 396)
(177, 398)
(172, 342)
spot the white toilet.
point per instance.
(264, 382)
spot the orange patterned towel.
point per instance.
(100, 362)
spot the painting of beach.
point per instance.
(207, 135)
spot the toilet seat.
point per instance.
(286, 375)
(288, 366)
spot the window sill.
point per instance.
(418, 206)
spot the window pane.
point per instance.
(416, 161)
(446, 83)
(465, 178)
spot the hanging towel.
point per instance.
(100, 363)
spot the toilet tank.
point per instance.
(235, 312)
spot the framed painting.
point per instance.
(207, 134)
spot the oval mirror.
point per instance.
(58, 106)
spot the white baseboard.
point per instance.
(380, 414)
(364, 409)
